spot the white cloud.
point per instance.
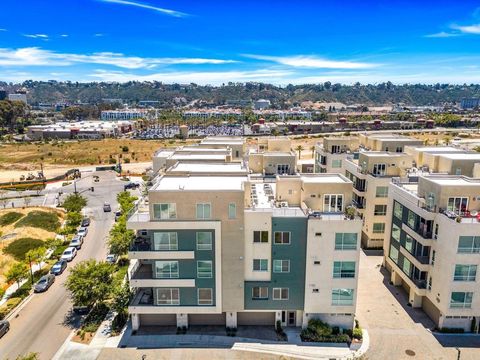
(64, 35)
(98, 35)
(304, 61)
(3, 29)
(442, 34)
(169, 12)
(34, 56)
(468, 29)
(36, 36)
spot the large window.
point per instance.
(336, 164)
(345, 241)
(396, 232)
(204, 269)
(465, 273)
(342, 297)
(280, 293)
(380, 210)
(381, 191)
(411, 219)
(260, 264)
(333, 203)
(462, 300)
(165, 241)
(344, 269)
(259, 293)
(281, 266)
(232, 211)
(281, 238)
(168, 296)
(204, 240)
(379, 169)
(164, 211)
(260, 236)
(205, 296)
(409, 243)
(407, 266)
(166, 269)
(394, 254)
(458, 205)
(469, 245)
(397, 210)
(204, 211)
(378, 228)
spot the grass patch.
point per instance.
(10, 218)
(40, 219)
(18, 248)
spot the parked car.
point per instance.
(131, 185)
(111, 258)
(69, 254)
(107, 207)
(82, 231)
(117, 215)
(44, 283)
(58, 267)
(81, 310)
(4, 327)
(85, 222)
(76, 242)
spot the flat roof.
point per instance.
(211, 168)
(225, 141)
(199, 183)
(199, 149)
(324, 179)
(462, 156)
(437, 149)
(197, 156)
(381, 153)
(453, 181)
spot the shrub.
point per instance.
(10, 218)
(357, 334)
(112, 161)
(125, 149)
(74, 203)
(40, 219)
(20, 247)
(95, 317)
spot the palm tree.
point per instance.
(299, 148)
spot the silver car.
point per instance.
(44, 283)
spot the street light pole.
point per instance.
(31, 272)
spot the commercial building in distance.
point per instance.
(433, 246)
(129, 114)
(217, 245)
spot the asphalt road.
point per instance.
(45, 322)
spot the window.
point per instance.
(204, 269)
(336, 164)
(333, 203)
(259, 293)
(204, 211)
(260, 236)
(343, 269)
(379, 169)
(462, 300)
(380, 210)
(394, 254)
(204, 240)
(165, 241)
(280, 293)
(458, 205)
(429, 285)
(432, 260)
(411, 219)
(345, 241)
(408, 243)
(399, 149)
(232, 211)
(205, 296)
(378, 228)
(282, 238)
(469, 245)
(168, 296)
(397, 210)
(465, 273)
(396, 232)
(260, 264)
(342, 297)
(281, 266)
(407, 266)
(164, 211)
(166, 269)
(381, 191)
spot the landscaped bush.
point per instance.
(10, 218)
(40, 219)
(20, 247)
(95, 318)
(357, 334)
(318, 331)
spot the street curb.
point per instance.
(365, 345)
(61, 350)
(19, 307)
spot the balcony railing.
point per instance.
(421, 284)
(144, 297)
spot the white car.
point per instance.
(76, 242)
(69, 254)
(82, 231)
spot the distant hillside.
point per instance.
(281, 97)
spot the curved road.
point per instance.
(43, 324)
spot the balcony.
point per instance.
(464, 217)
(143, 248)
(358, 204)
(421, 284)
(144, 277)
(144, 297)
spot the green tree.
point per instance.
(36, 255)
(299, 148)
(74, 219)
(29, 356)
(120, 237)
(90, 282)
(126, 201)
(17, 273)
(74, 202)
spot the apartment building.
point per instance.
(433, 246)
(216, 245)
(387, 142)
(272, 156)
(371, 174)
(237, 144)
(332, 152)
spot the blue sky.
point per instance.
(214, 42)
